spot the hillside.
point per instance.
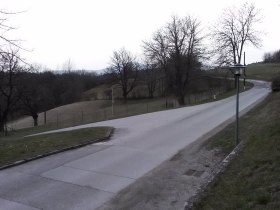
(70, 112)
(263, 71)
(252, 179)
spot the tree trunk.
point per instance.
(125, 97)
(2, 126)
(181, 100)
(45, 117)
(35, 119)
(151, 94)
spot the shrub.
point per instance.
(275, 85)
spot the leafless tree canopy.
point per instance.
(68, 66)
(10, 90)
(4, 29)
(152, 75)
(234, 29)
(177, 49)
(272, 57)
(157, 49)
(125, 69)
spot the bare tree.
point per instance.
(4, 29)
(157, 49)
(273, 57)
(124, 68)
(32, 97)
(68, 66)
(10, 90)
(151, 75)
(234, 30)
(177, 48)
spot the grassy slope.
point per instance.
(75, 112)
(252, 181)
(261, 71)
(15, 147)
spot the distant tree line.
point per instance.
(26, 91)
(273, 57)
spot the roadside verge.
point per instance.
(252, 179)
(16, 151)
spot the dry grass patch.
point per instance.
(76, 112)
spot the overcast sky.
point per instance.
(88, 31)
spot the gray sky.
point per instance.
(88, 31)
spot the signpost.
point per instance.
(237, 70)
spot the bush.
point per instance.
(275, 85)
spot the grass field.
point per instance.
(260, 71)
(15, 147)
(252, 181)
(263, 71)
(73, 113)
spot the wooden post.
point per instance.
(105, 116)
(57, 120)
(45, 117)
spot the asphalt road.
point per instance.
(86, 178)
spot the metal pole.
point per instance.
(237, 112)
(244, 81)
(57, 120)
(112, 101)
(45, 117)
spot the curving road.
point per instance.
(88, 177)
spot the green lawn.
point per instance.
(252, 181)
(15, 147)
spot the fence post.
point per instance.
(45, 117)
(56, 120)
(105, 116)
(5, 129)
